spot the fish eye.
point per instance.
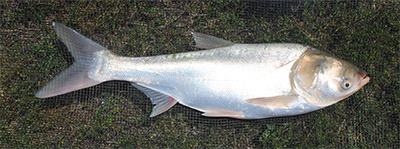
(346, 84)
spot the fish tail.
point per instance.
(85, 53)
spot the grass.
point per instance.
(114, 114)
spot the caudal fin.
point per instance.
(76, 76)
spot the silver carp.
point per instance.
(244, 81)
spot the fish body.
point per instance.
(244, 81)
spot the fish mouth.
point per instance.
(365, 79)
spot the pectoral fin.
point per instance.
(274, 102)
(204, 41)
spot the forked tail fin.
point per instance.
(76, 76)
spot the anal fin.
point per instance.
(283, 101)
(161, 101)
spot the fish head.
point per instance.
(324, 79)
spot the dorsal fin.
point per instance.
(161, 101)
(204, 41)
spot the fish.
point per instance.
(224, 79)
